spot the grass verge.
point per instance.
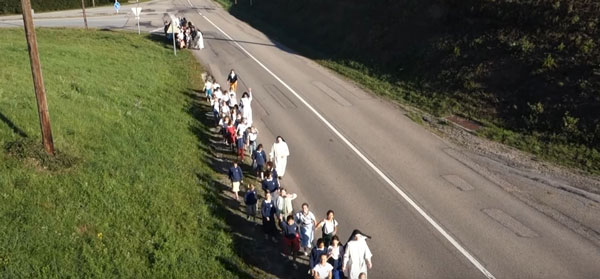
(129, 197)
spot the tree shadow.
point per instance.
(12, 126)
(247, 235)
(483, 60)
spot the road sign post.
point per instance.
(38, 80)
(174, 27)
(136, 12)
(117, 6)
(84, 16)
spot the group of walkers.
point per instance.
(295, 230)
(186, 34)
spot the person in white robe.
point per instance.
(357, 258)
(199, 40)
(245, 105)
(279, 154)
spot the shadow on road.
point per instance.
(248, 238)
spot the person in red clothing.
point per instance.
(240, 138)
(291, 238)
(231, 135)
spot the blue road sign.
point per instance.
(117, 6)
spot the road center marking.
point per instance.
(429, 219)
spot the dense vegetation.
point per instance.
(528, 69)
(14, 6)
(128, 195)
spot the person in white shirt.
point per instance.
(335, 251)
(279, 154)
(180, 37)
(241, 138)
(218, 93)
(323, 269)
(225, 97)
(357, 257)
(288, 208)
(329, 225)
(242, 126)
(252, 137)
(284, 204)
(306, 220)
(208, 89)
(232, 99)
(224, 109)
(214, 102)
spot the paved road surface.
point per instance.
(489, 227)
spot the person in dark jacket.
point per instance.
(270, 167)
(291, 238)
(235, 176)
(232, 79)
(315, 254)
(267, 209)
(259, 158)
(251, 199)
(270, 185)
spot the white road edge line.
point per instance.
(450, 239)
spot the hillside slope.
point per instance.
(529, 70)
(130, 193)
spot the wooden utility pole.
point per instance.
(84, 17)
(93, 3)
(38, 80)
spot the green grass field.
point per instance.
(127, 196)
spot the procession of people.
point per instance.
(295, 231)
(185, 33)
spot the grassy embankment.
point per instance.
(128, 194)
(529, 72)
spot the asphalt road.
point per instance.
(430, 215)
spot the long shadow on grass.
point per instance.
(248, 239)
(12, 126)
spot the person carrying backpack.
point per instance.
(329, 225)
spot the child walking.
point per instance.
(291, 238)
(236, 176)
(251, 199)
(267, 210)
(259, 158)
